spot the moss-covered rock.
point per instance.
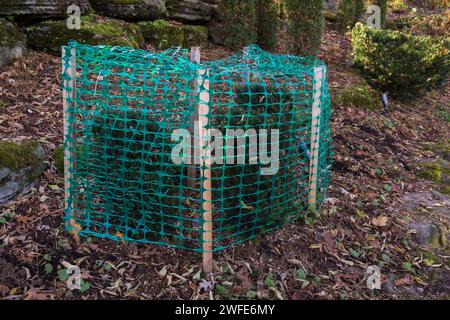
(131, 10)
(49, 36)
(12, 42)
(437, 171)
(58, 158)
(163, 34)
(441, 149)
(360, 95)
(15, 156)
(20, 166)
(426, 234)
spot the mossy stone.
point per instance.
(58, 158)
(442, 149)
(9, 34)
(12, 42)
(20, 167)
(49, 36)
(163, 34)
(15, 156)
(360, 95)
(131, 10)
(437, 171)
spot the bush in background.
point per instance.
(239, 22)
(346, 13)
(305, 25)
(397, 5)
(437, 4)
(360, 9)
(267, 23)
(432, 25)
(405, 65)
(350, 12)
(383, 6)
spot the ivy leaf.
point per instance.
(251, 294)
(302, 275)
(85, 286)
(354, 253)
(62, 274)
(407, 266)
(48, 268)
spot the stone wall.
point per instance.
(43, 22)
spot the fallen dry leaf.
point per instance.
(380, 221)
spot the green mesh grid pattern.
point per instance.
(123, 106)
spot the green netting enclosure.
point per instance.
(125, 111)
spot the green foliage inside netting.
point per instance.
(124, 106)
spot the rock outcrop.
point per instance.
(39, 9)
(49, 36)
(131, 10)
(189, 11)
(162, 34)
(12, 42)
(21, 165)
(331, 5)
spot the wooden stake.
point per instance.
(315, 137)
(246, 78)
(69, 144)
(205, 171)
(192, 170)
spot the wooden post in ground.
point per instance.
(319, 73)
(205, 170)
(192, 170)
(68, 90)
(246, 78)
(69, 96)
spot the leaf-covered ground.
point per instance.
(374, 197)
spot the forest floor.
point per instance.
(375, 196)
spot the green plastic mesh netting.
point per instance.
(122, 108)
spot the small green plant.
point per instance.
(269, 281)
(360, 95)
(223, 291)
(443, 113)
(58, 158)
(48, 268)
(6, 216)
(407, 266)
